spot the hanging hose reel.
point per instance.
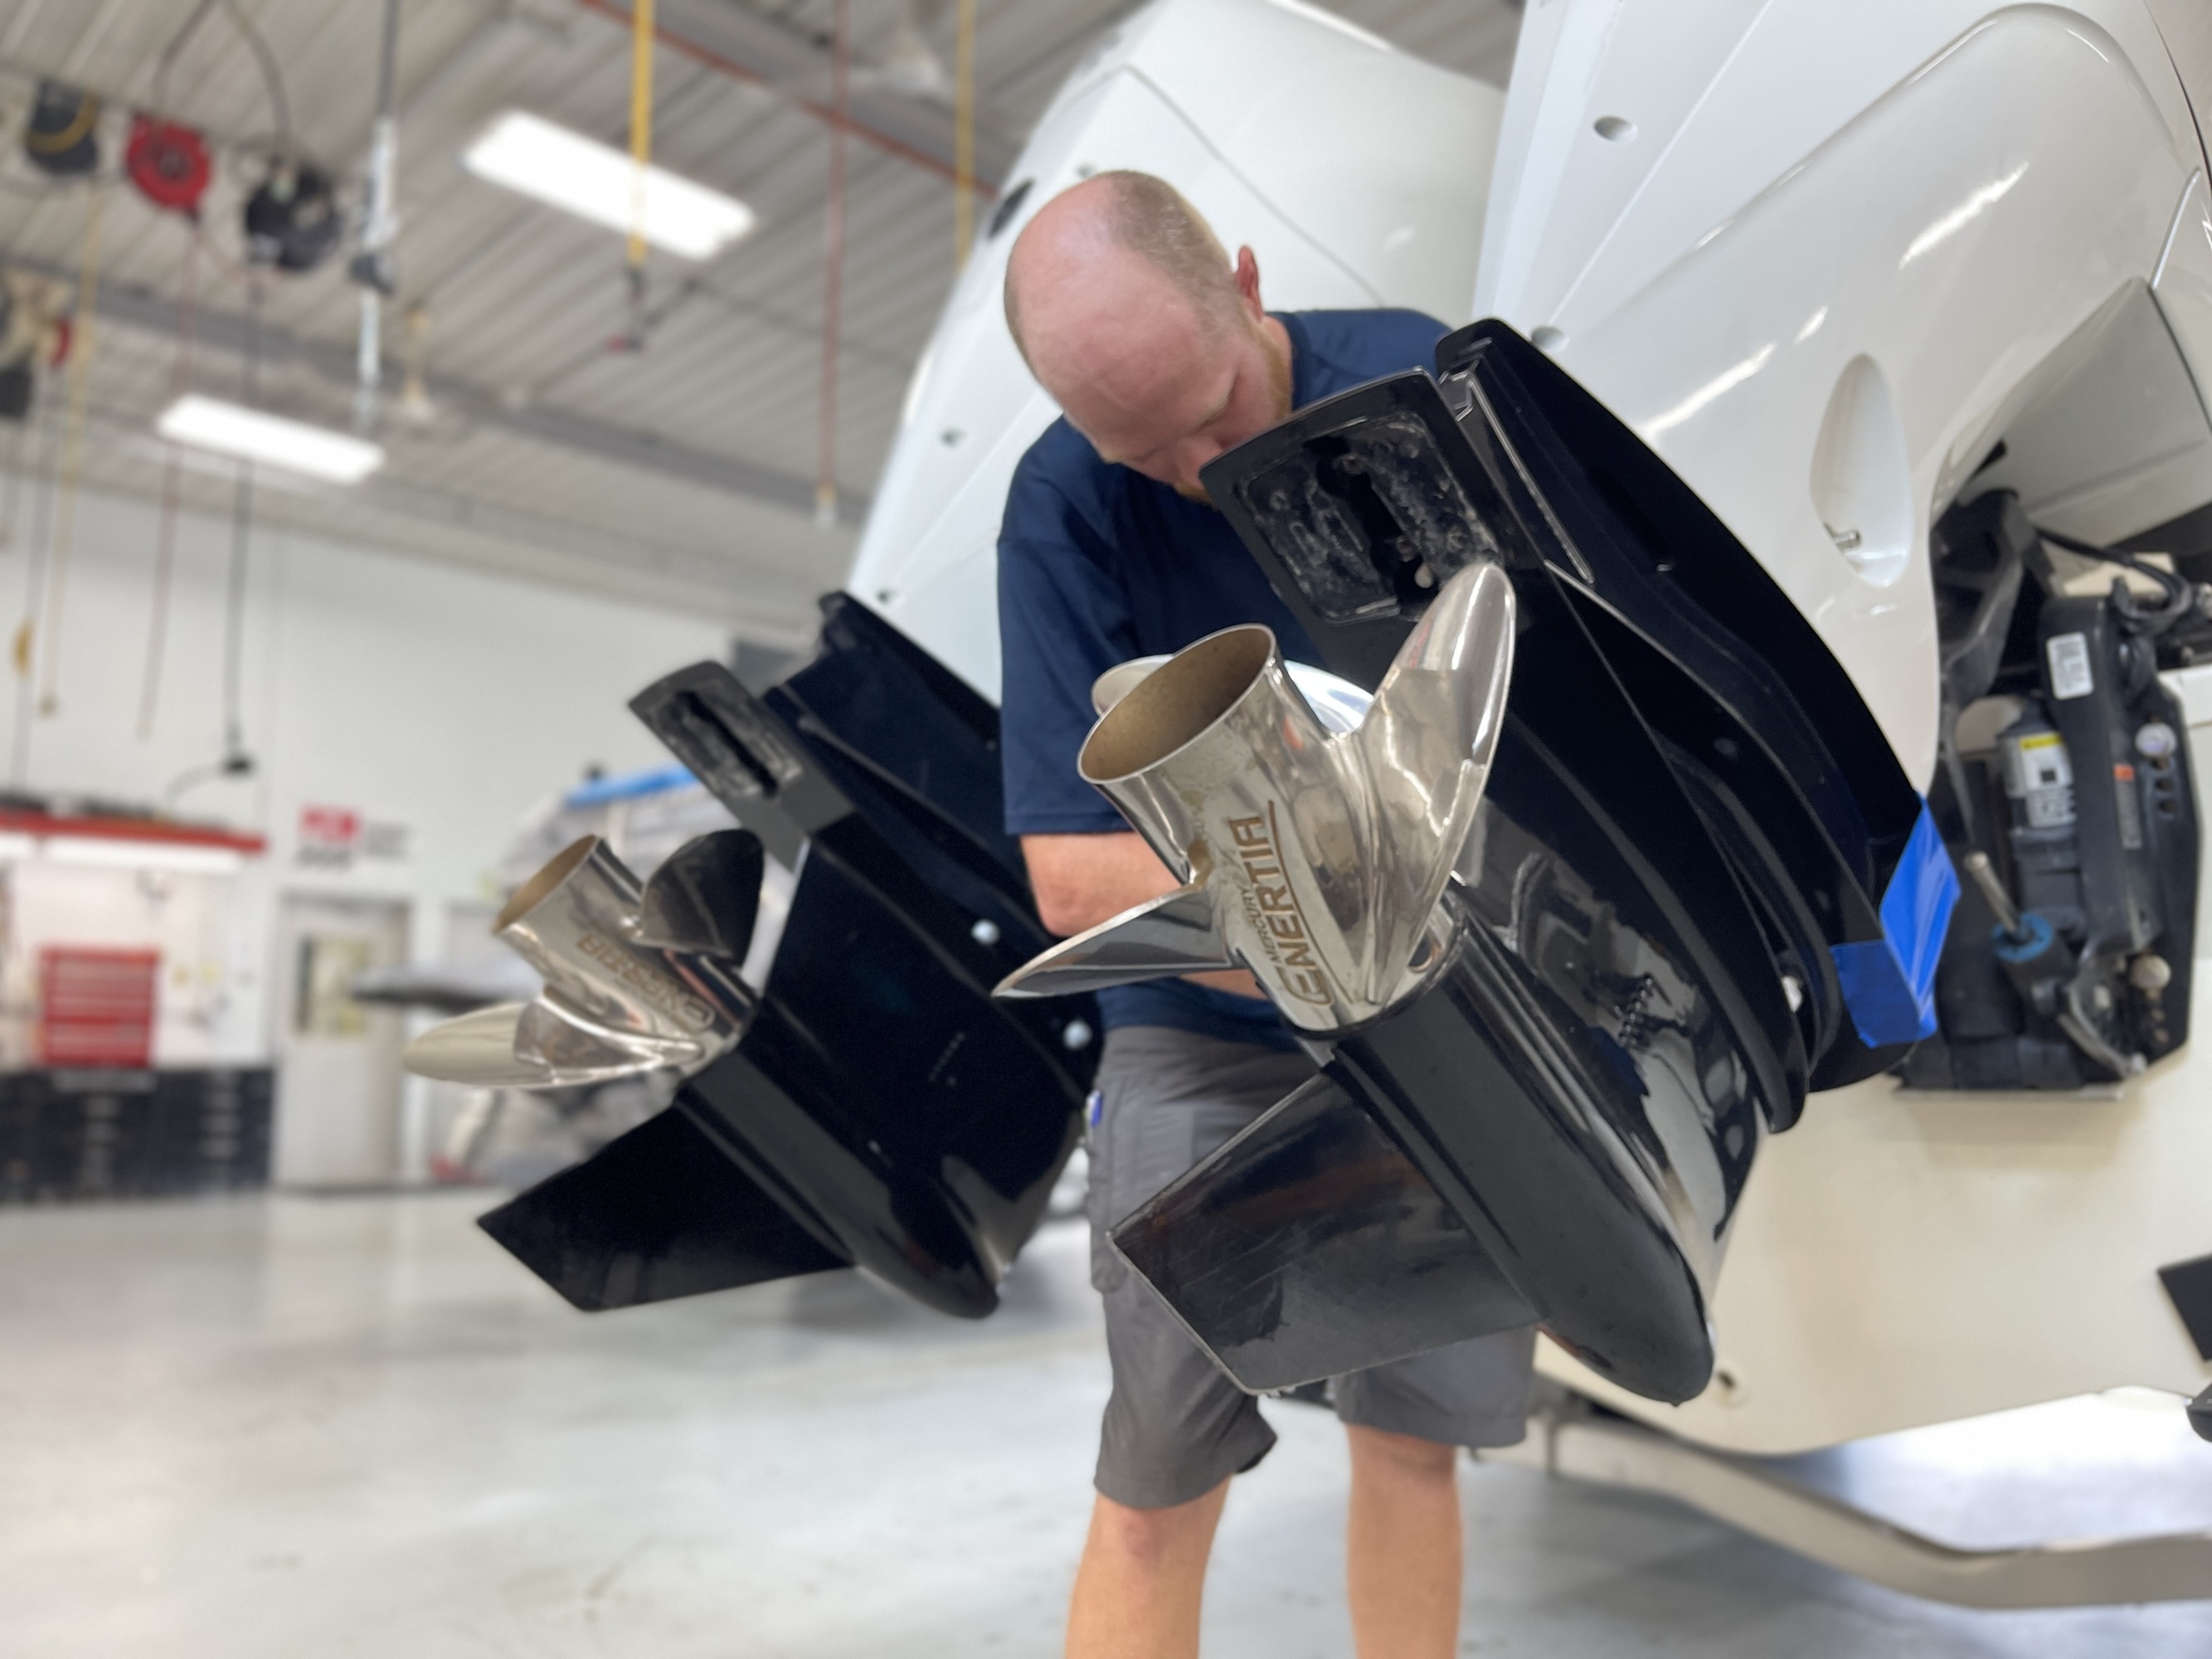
(169, 163)
(61, 138)
(292, 222)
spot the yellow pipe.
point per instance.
(963, 136)
(640, 121)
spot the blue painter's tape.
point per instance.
(1889, 983)
(628, 786)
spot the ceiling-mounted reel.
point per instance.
(292, 218)
(169, 163)
(62, 136)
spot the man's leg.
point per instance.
(1176, 1427)
(1407, 1421)
(1137, 1592)
(1402, 1547)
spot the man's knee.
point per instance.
(1155, 1537)
(1401, 1457)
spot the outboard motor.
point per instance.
(868, 1105)
(1583, 902)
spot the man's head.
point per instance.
(1128, 310)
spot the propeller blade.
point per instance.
(1161, 938)
(705, 895)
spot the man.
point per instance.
(1131, 315)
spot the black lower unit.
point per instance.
(114, 1134)
(880, 1110)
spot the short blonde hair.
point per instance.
(1151, 219)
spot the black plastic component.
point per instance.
(878, 1101)
(705, 896)
(743, 754)
(18, 377)
(1311, 1245)
(892, 724)
(1810, 828)
(1583, 1084)
(2102, 687)
(1978, 553)
(659, 1213)
(62, 136)
(881, 1094)
(2200, 1414)
(1314, 507)
(2189, 1286)
(292, 219)
(1718, 659)
(1659, 557)
(1363, 503)
(1009, 205)
(1586, 1083)
(1996, 995)
(1690, 805)
(2101, 855)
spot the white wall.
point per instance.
(447, 701)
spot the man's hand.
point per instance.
(1082, 880)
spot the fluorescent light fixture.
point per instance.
(133, 853)
(598, 182)
(234, 430)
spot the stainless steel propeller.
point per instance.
(638, 977)
(1313, 851)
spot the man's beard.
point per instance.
(1278, 388)
(1279, 377)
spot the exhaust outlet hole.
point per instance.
(1175, 702)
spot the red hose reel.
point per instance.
(169, 164)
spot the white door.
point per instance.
(338, 1079)
(437, 1149)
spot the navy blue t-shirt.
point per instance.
(1098, 564)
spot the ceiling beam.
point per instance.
(146, 311)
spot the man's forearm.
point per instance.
(1082, 880)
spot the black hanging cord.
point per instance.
(47, 412)
(280, 107)
(165, 539)
(2180, 592)
(234, 755)
(169, 54)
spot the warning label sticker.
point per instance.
(2069, 655)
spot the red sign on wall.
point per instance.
(334, 829)
(332, 837)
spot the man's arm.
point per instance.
(1082, 880)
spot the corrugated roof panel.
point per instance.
(522, 300)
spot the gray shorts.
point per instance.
(1175, 1425)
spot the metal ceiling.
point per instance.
(681, 475)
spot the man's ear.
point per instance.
(1247, 278)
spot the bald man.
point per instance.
(1157, 349)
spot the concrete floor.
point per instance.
(351, 1427)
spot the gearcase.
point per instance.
(868, 1104)
(1586, 901)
